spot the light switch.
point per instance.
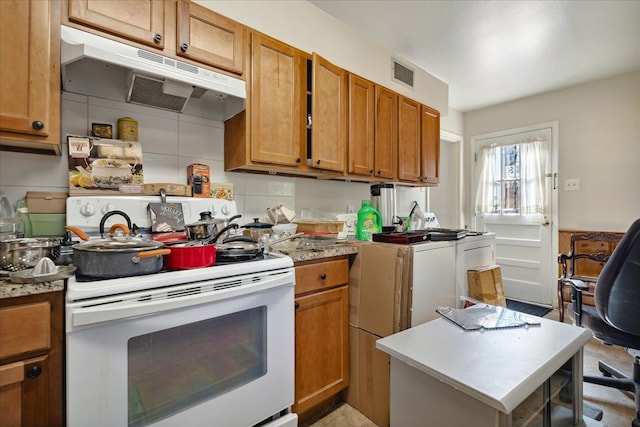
(571, 184)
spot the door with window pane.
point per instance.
(512, 198)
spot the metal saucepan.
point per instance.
(207, 226)
(119, 255)
(257, 229)
(21, 254)
(195, 254)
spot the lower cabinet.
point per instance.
(31, 360)
(322, 333)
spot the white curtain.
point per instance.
(533, 155)
(487, 197)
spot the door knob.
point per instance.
(545, 222)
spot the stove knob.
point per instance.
(214, 211)
(225, 210)
(87, 210)
(107, 208)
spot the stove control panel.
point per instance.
(85, 212)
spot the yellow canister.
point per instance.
(127, 129)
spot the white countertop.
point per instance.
(498, 367)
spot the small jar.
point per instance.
(127, 129)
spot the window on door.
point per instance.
(511, 179)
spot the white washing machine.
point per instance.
(472, 252)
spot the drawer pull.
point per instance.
(323, 276)
(296, 305)
(34, 372)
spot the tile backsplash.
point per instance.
(171, 141)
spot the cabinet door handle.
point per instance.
(317, 162)
(37, 125)
(184, 47)
(157, 38)
(296, 305)
(379, 172)
(298, 160)
(34, 372)
(323, 276)
(371, 171)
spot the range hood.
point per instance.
(97, 66)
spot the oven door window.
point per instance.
(174, 369)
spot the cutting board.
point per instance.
(166, 217)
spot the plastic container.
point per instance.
(369, 222)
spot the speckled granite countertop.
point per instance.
(325, 252)
(9, 289)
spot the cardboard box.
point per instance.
(222, 190)
(485, 285)
(170, 189)
(379, 298)
(46, 202)
(199, 178)
(100, 166)
(369, 383)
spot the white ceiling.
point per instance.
(496, 51)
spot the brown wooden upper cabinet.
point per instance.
(140, 21)
(386, 134)
(328, 116)
(277, 128)
(270, 134)
(373, 130)
(361, 126)
(207, 37)
(430, 145)
(418, 142)
(197, 33)
(409, 140)
(30, 76)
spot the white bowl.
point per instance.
(282, 229)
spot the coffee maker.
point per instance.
(383, 199)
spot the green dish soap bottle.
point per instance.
(369, 221)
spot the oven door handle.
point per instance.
(156, 301)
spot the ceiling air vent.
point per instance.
(402, 73)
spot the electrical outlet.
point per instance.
(572, 184)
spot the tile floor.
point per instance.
(617, 406)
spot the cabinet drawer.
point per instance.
(322, 275)
(24, 328)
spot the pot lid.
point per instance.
(206, 219)
(257, 224)
(116, 244)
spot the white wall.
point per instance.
(599, 143)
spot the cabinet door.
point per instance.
(24, 388)
(361, 126)
(386, 135)
(210, 38)
(329, 116)
(29, 74)
(276, 100)
(141, 21)
(430, 145)
(409, 143)
(322, 346)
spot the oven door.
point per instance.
(195, 359)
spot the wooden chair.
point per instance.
(588, 253)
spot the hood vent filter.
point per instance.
(165, 94)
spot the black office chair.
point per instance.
(615, 319)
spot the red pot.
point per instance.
(188, 255)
